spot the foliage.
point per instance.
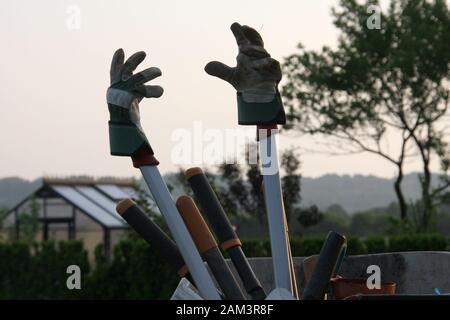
(3, 213)
(309, 216)
(146, 202)
(254, 178)
(40, 273)
(369, 223)
(239, 187)
(378, 86)
(376, 244)
(418, 242)
(290, 184)
(355, 246)
(234, 194)
(29, 222)
(136, 272)
(306, 246)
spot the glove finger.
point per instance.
(116, 65)
(219, 70)
(254, 51)
(144, 76)
(253, 36)
(150, 91)
(239, 35)
(131, 64)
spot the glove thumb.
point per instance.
(220, 70)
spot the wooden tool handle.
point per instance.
(196, 225)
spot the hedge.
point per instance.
(309, 245)
(134, 273)
(39, 271)
(425, 242)
(41, 275)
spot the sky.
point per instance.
(55, 61)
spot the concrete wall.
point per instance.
(414, 272)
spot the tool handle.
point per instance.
(221, 226)
(212, 208)
(207, 246)
(245, 271)
(194, 222)
(153, 234)
(329, 253)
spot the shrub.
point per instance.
(308, 246)
(355, 246)
(15, 270)
(376, 244)
(418, 242)
(135, 272)
(256, 248)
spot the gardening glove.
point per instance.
(126, 136)
(255, 78)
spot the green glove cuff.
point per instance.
(254, 113)
(125, 139)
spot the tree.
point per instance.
(290, 182)
(379, 86)
(240, 195)
(146, 203)
(239, 187)
(233, 194)
(144, 199)
(255, 179)
(183, 182)
(29, 222)
(309, 216)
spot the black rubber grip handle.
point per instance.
(223, 274)
(153, 234)
(211, 206)
(320, 278)
(248, 277)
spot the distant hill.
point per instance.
(14, 189)
(356, 192)
(353, 193)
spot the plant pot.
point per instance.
(343, 288)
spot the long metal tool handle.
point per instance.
(207, 246)
(221, 226)
(279, 242)
(180, 233)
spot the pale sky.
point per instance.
(53, 79)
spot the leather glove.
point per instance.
(255, 78)
(126, 136)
